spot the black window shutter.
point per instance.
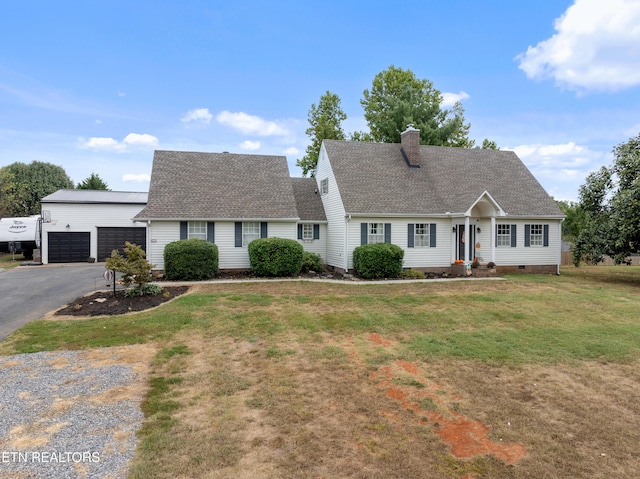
(432, 235)
(514, 237)
(316, 232)
(211, 232)
(238, 231)
(387, 232)
(299, 231)
(527, 235)
(263, 229)
(364, 233)
(410, 243)
(183, 230)
(545, 235)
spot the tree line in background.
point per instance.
(396, 99)
(22, 186)
(604, 222)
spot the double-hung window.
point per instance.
(324, 186)
(536, 235)
(376, 233)
(307, 232)
(421, 235)
(250, 232)
(197, 229)
(503, 237)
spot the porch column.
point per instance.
(467, 239)
(493, 239)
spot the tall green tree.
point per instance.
(610, 199)
(325, 123)
(397, 98)
(24, 185)
(93, 182)
(574, 220)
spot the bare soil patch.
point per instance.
(104, 303)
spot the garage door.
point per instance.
(113, 238)
(69, 247)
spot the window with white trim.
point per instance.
(307, 232)
(536, 235)
(250, 232)
(324, 186)
(376, 233)
(421, 235)
(503, 237)
(197, 229)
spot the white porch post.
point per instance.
(467, 239)
(493, 239)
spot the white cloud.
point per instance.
(140, 139)
(110, 144)
(250, 145)
(94, 143)
(141, 178)
(563, 154)
(250, 124)
(292, 151)
(450, 99)
(595, 47)
(200, 115)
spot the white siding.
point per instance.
(86, 217)
(334, 209)
(532, 255)
(420, 257)
(161, 233)
(318, 246)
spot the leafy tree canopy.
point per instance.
(324, 124)
(24, 185)
(93, 182)
(610, 200)
(398, 98)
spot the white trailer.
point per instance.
(20, 235)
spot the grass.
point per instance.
(8, 260)
(285, 380)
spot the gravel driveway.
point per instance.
(71, 414)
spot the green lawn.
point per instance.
(340, 380)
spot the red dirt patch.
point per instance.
(465, 437)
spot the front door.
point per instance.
(461, 243)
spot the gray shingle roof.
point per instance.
(192, 185)
(374, 178)
(96, 196)
(308, 200)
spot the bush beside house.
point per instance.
(190, 260)
(379, 260)
(275, 257)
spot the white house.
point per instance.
(230, 200)
(79, 224)
(439, 204)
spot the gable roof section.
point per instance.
(308, 201)
(192, 185)
(373, 178)
(96, 197)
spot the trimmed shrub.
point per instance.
(275, 257)
(413, 274)
(190, 260)
(378, 260)
(311, 262)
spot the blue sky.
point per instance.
(96, 86)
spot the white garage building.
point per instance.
(82, 224)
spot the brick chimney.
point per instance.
(410, 146)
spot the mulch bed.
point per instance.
(104, 303)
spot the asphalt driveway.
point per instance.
(28, 293)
